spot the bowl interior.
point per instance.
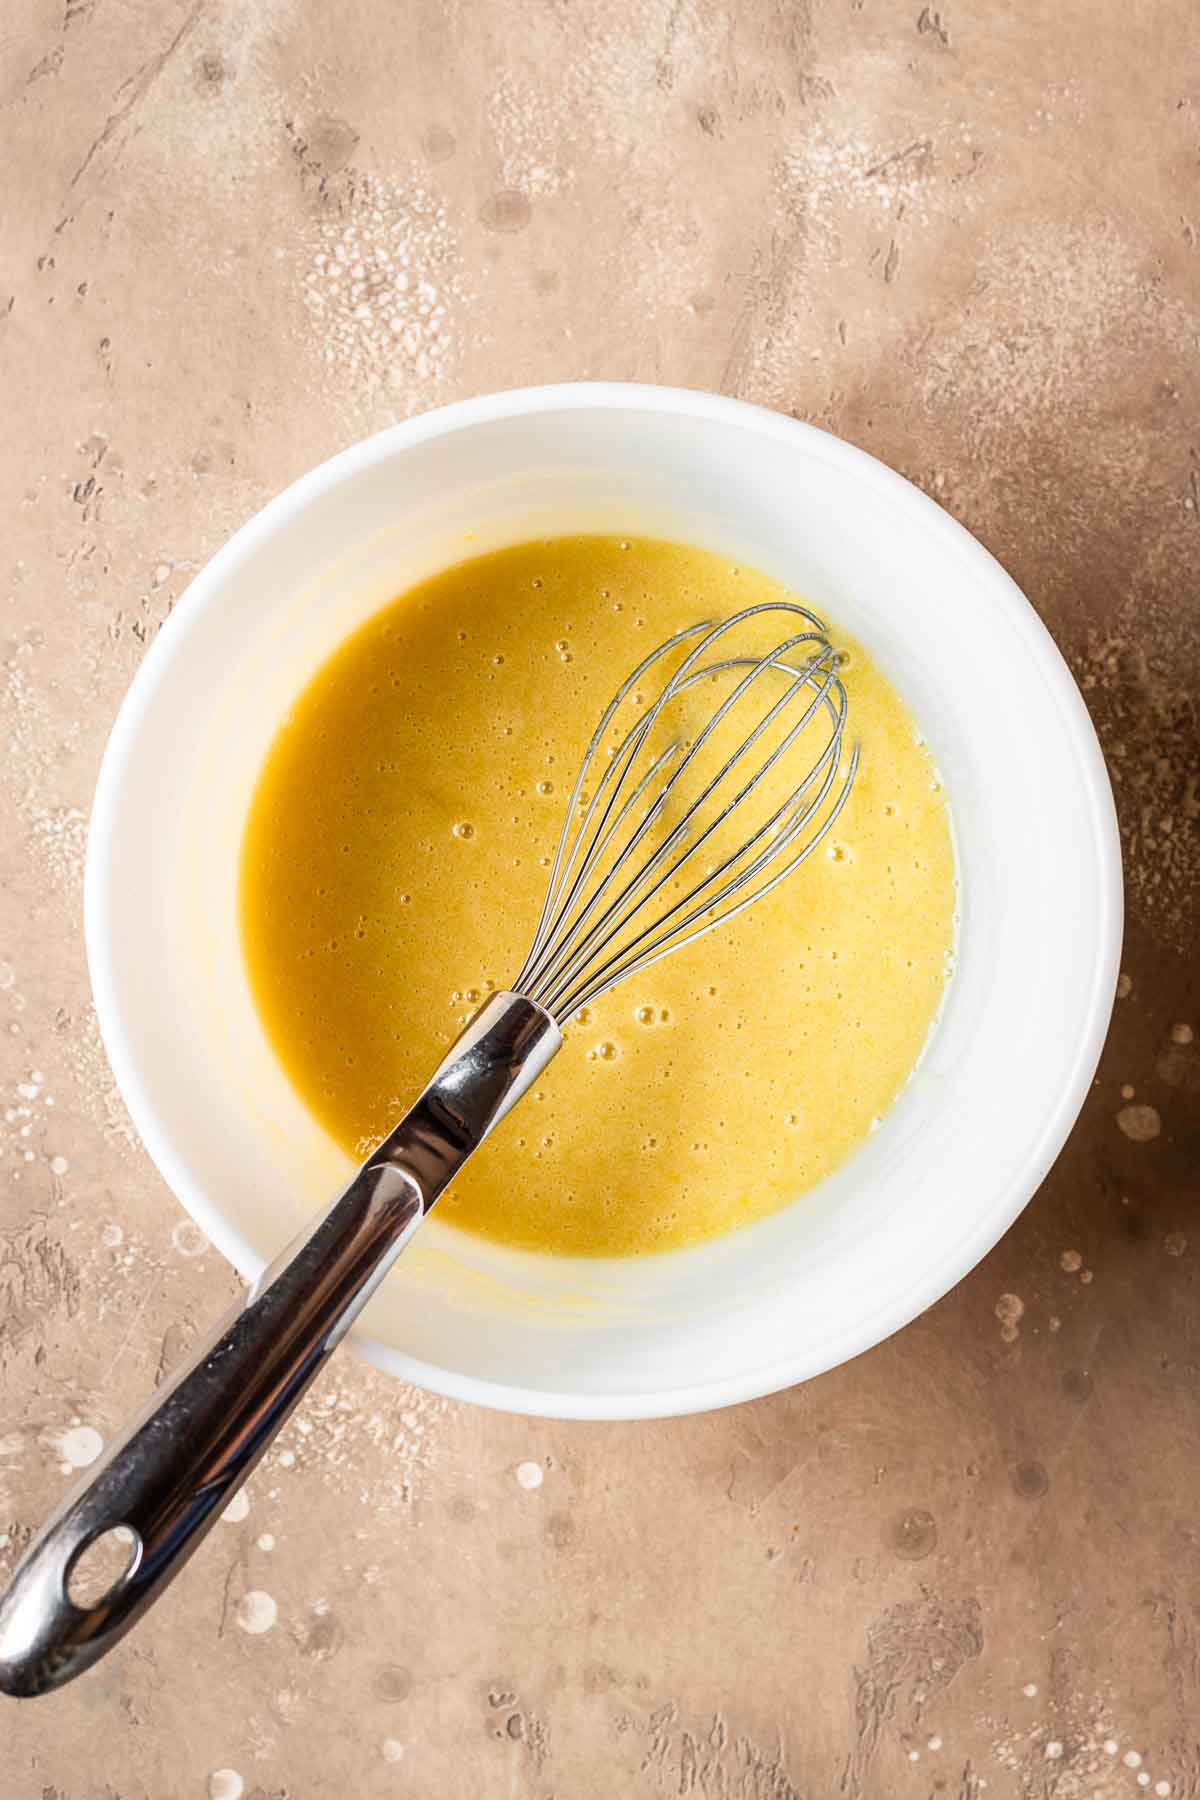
(1008, 1066)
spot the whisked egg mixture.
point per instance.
(393, 870)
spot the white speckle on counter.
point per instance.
(377, 315)
(1132, 1759)
(256, 1612)
(1010, 1310)
(59, 1165)
(529, 1474)
(188, 1239)
(225, 1784)
(266, 1541)
(1054, 1750)
(112, 1237)
(76, 1447)
(237, 1509)
(1111, 1746)
(1030, 1690)
(1139, 1122)
(391, 1749)
(287, 1459)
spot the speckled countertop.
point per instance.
(235, 238)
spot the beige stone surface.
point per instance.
(964, 237)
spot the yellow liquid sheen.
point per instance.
(393, 870)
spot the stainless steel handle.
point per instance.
(167, 1478)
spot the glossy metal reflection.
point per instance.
(168, 1478)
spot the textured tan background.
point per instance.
(965, 238)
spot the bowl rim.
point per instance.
(1096, 793)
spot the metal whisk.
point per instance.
(677, 822)
(595, 928)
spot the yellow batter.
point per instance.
(393, 871)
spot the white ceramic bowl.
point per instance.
(1008, 1068)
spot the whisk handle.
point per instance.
(165, 1480)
